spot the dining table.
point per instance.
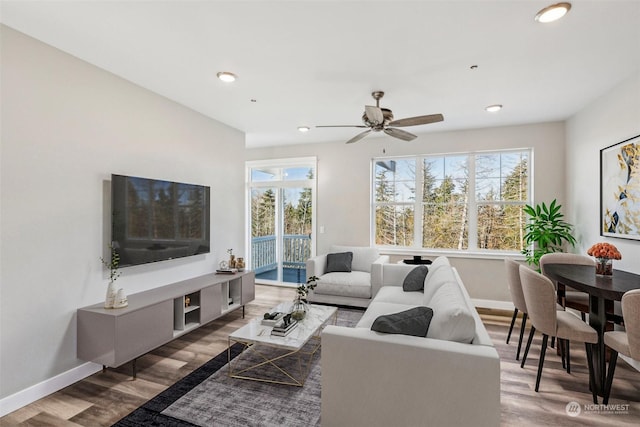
(603, 291)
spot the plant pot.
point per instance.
(110, 298)
(299, 309)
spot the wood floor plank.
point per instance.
(104, 398)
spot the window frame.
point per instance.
(472, 204)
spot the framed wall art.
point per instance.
(620, 190)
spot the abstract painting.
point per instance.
(620, 190)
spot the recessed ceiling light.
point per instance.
(494, 108)
(553, 12)
(304, 129)
(226, 76)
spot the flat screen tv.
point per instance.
(155, 220)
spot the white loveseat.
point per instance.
(451, 377)
(355, 288)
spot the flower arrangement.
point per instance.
(604, 250)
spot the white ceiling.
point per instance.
(316, 62)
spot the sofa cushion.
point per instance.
(356, 284)
(414, 322)
(452, 318)
(340, 261)
(377, 309)
(437, 276)
(396, 295)
(363, 256)
(414, 281)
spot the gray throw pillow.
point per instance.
(415, 279)
(339, 262)
(414, 322)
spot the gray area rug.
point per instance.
(223, 401)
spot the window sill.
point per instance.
(451, 253)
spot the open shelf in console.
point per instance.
(186, 313)
(231, 294)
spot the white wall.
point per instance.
(613, 118)
(343, 196)
(66, 126)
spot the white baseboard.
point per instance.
(489, 303)
(46, 387)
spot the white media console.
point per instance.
(112, 337)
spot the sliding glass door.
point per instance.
(281, 219)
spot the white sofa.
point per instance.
(451, 377)
(355, 288)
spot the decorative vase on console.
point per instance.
(604, 253)
(232, 258)
(300, 308)
(112, 265)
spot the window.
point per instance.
(281, 197)
(469, 201)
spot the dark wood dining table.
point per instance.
(602, 290)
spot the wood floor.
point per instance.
(104, 398)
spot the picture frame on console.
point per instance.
(620, 190)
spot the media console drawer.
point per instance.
(112, 340)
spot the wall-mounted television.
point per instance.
(155, 220)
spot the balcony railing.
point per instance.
(296, 251)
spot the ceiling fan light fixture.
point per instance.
(303, 129)
(494, 108)
(553, 12)
(226, 76)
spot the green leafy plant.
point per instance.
(304, 288)
(113, 264)
(546, 232)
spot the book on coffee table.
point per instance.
(280, 330)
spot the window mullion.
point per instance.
(418, 222)
(472, 213)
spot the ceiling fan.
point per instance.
(381, 119)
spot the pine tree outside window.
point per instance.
(462, 201)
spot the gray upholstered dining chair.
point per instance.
(624, 342)
(540, 297)
(571, 298)
(517, 297)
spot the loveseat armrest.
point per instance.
(402, 380)
(394, 274)
(317, 265)
(377, 274)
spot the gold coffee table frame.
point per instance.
(256, 339)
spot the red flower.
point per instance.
(604, 250)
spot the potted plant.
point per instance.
(546, 232)
(112, 265)
(299, 309)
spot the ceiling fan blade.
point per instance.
(400, 134)
(358, 137)
(343, 126)
(418, 120)
(374, 114)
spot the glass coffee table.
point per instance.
(290, 355)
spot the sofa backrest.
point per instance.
(363, 256)
(440, 272)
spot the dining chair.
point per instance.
(625, 342)
(517, 297)
(540, 297)
(569, 297)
